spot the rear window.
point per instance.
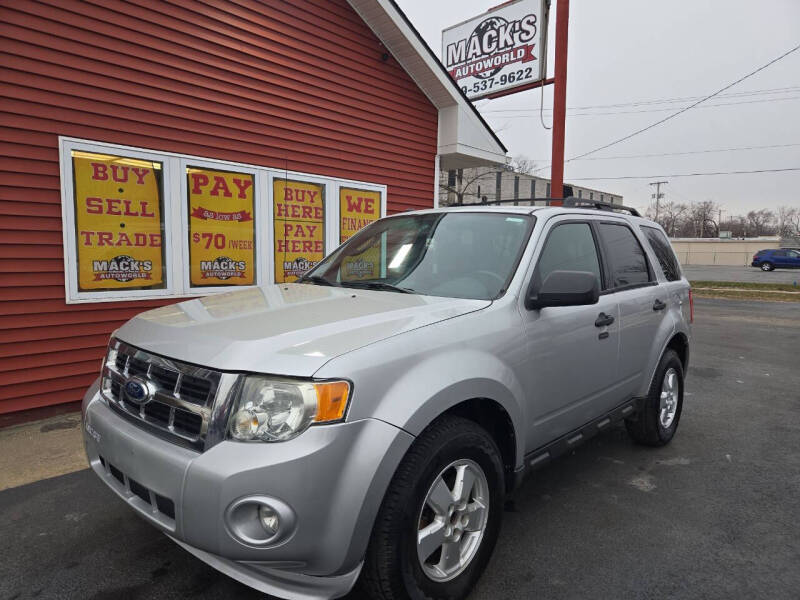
(663, 251)
(627, 260)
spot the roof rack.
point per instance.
(570, 202)
(574, 202)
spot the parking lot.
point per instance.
(713, 515)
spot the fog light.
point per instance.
(270, 520)
(260, 520)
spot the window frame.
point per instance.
(608, 288)
(643, 227)
(176, 266)
(595, 238)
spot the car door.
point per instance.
(569, 371)
(780, 258)
(642, 302)
(794, 259)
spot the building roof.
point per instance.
(465, 139)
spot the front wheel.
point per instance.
(439, 521)
(767, 266)
(657, 422)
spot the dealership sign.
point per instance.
(499, 50)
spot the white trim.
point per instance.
(176, 249)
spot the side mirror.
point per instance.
(565, 288)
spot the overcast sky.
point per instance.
(637, 51)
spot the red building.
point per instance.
(153, 150)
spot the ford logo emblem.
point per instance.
(138, 391)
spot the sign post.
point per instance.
(559, 101)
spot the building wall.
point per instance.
(692, 251)
(299, 85)
(483, 181)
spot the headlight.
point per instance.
(274, 410)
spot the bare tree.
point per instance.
(788, 221)
(521, 164)
(458, 182)
(760, 221)
(670, 215)
(701, 216)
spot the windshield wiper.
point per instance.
(378, 285)
(319, 280)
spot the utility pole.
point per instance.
(658, 195)
(559, 101)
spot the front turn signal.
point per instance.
(332, 397)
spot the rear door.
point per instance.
(642, 302)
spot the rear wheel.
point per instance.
(439, 520)
(657, 422)
(767, 266)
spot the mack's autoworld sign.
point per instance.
(497, 51)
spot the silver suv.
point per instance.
(365, 424)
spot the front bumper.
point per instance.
(333, 477)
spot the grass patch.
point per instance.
(745, 295)
(744, 285)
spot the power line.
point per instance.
(660, 154)
(684, 174)
(683, 110)
(780, 90)
(634, 112)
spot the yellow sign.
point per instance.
(118, 222)
(366, 265)
(357, 209)
(221, 227)
(299, 226)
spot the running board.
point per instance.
(542, 456)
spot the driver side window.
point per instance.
(568, 247)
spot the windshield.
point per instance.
(457, 255)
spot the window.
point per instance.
(580, 193)
(625, 255)
(591, 195)
(458, 255)
(569, 247)
(148, 224)
(664, 253)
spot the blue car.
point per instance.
(784, 258)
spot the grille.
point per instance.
(180, 396)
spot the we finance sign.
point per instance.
(499, 50)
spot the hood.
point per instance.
(286, 329)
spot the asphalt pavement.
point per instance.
(716, 514)
(747, 274)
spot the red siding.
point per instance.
(297, 84)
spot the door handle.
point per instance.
(603, 319)
(659, 305)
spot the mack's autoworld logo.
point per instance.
(494, 43)
(122, 268)
(297, 267)
(137, 391)
(222, 267)
(359, 268)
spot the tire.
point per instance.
(392, 569)
(652, 426)
(767, 266)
